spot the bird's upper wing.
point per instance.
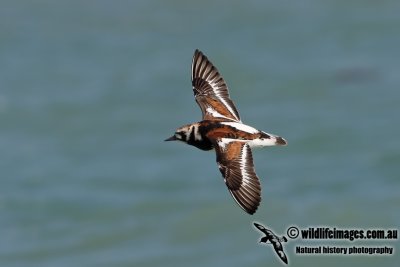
(211, 91)
(260, 227)
(235, 162)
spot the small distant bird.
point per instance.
(221, 129)
(274, 240)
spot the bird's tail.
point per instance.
(275, 140)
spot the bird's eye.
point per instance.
(180, 136)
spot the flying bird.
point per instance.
(274, 240)
(221, 129)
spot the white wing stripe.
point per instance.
(215, 113)
(215, 88)
(245, 175)
(241, 126)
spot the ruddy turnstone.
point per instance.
(222, 129)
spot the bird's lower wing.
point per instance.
(235, 162)
(281, 254)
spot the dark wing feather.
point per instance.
(210, 90)
(235, 162)
(279, 250)
(260, 227)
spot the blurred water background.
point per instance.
(90, 89)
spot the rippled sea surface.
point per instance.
(90, 89)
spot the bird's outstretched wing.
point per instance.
(210, 90)
(235, 162)
(260, 227)
(279, 250)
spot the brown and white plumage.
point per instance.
(235, 162)
(222, 129)
(211, 91)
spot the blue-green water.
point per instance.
(89, 89)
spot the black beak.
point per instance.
(172, 138)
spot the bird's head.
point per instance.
(181, 134)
